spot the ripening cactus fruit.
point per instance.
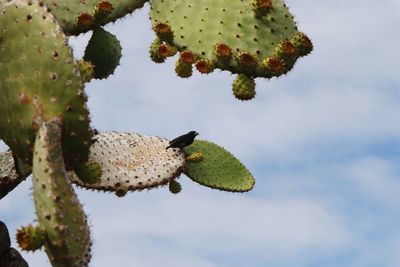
(244, 87)
(237, 36)
(31, 238)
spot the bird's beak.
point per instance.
(196, 133)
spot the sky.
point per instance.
(322, 143)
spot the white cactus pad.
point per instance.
(130, 161)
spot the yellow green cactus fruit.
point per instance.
(104, 52)
(183, 69)
(154, 50)
(86, 69)
(174, 187)
(76, 17)
(302, 43)
(31, 238)
(130, 161)
(39, 80)
(195, 157)
(219, 169)
(236, 36)
(57, 207)
(244, 87)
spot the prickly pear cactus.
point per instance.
(128, 162)
(104, 52)
(77, 16)
(255, 38)
(60, 216)
(214, 167)
(45, 122)
(39, 80)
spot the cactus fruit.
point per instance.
(219, 169)
(86, 69)
(183, 69)
(104, 52)
(155, 51)
(31, 238)
(59, 212)
(39, 80)
(174, 187)
(76, 17)
(236, 36)
(195, 157)
(244, 87)
(131, 161)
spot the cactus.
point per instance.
(60, 216)
(76, 17)
(218, 168)
(41, 82)
(104, 52)
(132, 161)
(236, 36)
(45, 122)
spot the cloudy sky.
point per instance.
(322, 142)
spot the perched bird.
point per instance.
(183, 140)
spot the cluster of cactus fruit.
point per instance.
(46, 124)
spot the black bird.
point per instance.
(183, 140)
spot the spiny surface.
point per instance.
(219, 169)
(130, 161)
(230, 35)
(104, 52)
(57, 207)
(244, 87)
(39, 80)
(77, 16)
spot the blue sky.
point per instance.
(322, 142)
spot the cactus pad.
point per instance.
(104, 52)
(77, 16)
(236, 36)
(57, 207)
(39, 80)
(219, 169)
(131, 161)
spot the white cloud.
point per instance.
(335, 99)
(378, 178)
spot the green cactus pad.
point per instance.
(39, 80)
(57, 207)
(104, 52)
(76, 16)
(231, 35)
(219, 169)
(131, 162)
